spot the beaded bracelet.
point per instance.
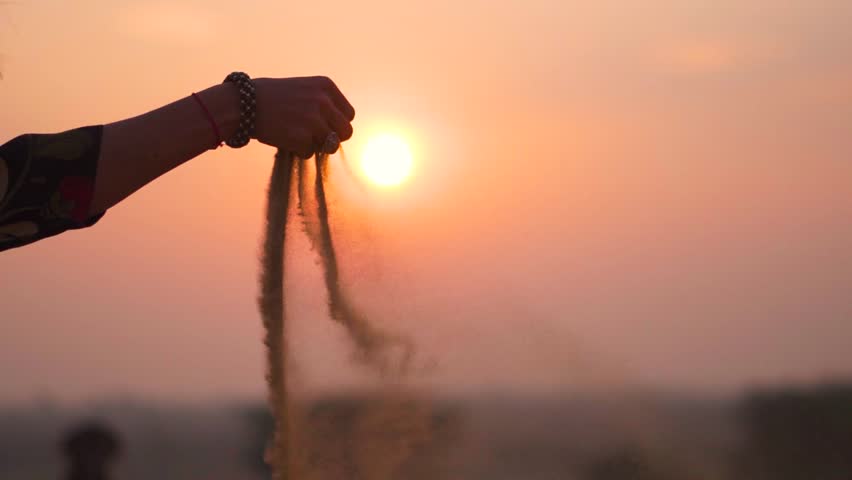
(247, 109)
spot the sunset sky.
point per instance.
(619, 192)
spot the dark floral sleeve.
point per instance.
(46, 184)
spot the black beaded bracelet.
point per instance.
(247, 109)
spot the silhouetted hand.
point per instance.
(297, 114)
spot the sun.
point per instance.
(386, 160)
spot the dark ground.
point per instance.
(784, 433)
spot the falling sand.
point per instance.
(271, 304)
(372, 343)
(374, 348)
(372, 437)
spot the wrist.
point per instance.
(223, 101)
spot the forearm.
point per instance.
(136, 151)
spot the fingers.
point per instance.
(338, 98)
(300, 141)
(298, 114)
(310, 136)
(335, 108)
(319, 125)
(336, 120)
(315, 132)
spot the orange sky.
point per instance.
(658, 192)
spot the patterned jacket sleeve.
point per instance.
(46, 184)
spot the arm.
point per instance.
(50, 183)
(136, 151)
(295, 114)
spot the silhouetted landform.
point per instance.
(793, 433)
(772, 433)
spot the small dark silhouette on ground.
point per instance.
(90, 449)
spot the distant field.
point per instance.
(491, 436)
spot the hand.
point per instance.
(298, 114)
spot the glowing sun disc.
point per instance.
(386, 160)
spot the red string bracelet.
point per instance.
(212, 120)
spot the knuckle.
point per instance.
(318, 101)
(324, 102)
(322, 81)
